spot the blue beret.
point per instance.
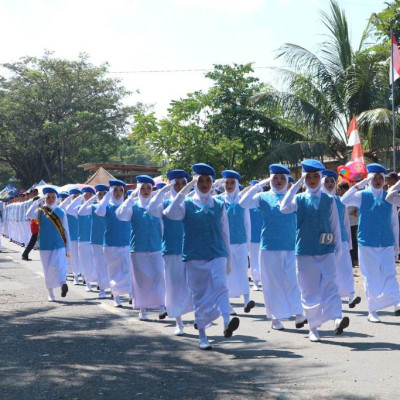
(116, 182)
(329, 172)
(88, 189)
(160, 185)
(203, 169)
(145, 179)
(63, 195)
(74, 191)
(101, 188)
(375, 168)
(229, 173)
(291, 179)
(49, 189)
(254, 182)
(279, 169)
(177, 173)
(129, 192)
(312, 166)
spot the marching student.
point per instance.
(147, 272)
(84, 245)
(344, 266)
(97, 229)
(378, 240)
(205, 250)
(116, 241)
(239, 232)
(254, 243)
(74, 261)
(277, 257)
(54, 242)
(318, 246)
(178, 296)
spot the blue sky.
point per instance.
(148, 35)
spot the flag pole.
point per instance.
(393, 115)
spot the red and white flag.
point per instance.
(354, 141)
(394, 61)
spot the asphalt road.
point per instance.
(84, 348)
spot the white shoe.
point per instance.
(76, 280)
(314, 336)
(256, 286)
(88, 287)
(117, 301)
(179, 331)
(277, 325)
(143, 315)
(373, 317)
(204, 344)
(51, 295)
(300, 321)
(102, 294)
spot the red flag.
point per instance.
(394, 61)
(354, 140)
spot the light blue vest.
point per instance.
(146, 231)
(202, 238)
(173, 234)
(311, 223)
(341, 210)
(49, 238)
(237, 230)
(374, 224)
(73, 227)
(84, 222)
(256, 224)
(117, 232)
(279, 230)
(97, 228)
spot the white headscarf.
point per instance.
(317, 190)
(113, 200)
(205, 198)
(234, 196)
(143, 201)
(275, 190)
(53, 206)
(172, 190)
(325, 190)
(375, 192)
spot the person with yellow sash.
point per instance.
(54, 241)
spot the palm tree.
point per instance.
(324, 91)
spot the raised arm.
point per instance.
(124, 212)
(32, 212)
(102, 208)
(393, 196)
(73, 208)
(156, 205)
(176, 210)
(288, 203)
(251, 198)
(86, 208)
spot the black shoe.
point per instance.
(344, 323)
(83, 282)
(64, 290)
(98, 288)
(130, 301)
(163, 315)
(300, 325)
(195, 326)
(26, 258)
(355, 301)
(232, 326)
(249, 306)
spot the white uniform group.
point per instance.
(185, 248)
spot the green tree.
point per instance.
(56, 114)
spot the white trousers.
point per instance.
(378, 268)
(254, 253)
(344, 273)
(237, 280)
(54, 267)
(119, 269)
(74, 259)
(178, 296)
(148, 279)
(279, 280)
(320, 297)
(86, 259)
(99, 261)
(207, 280)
